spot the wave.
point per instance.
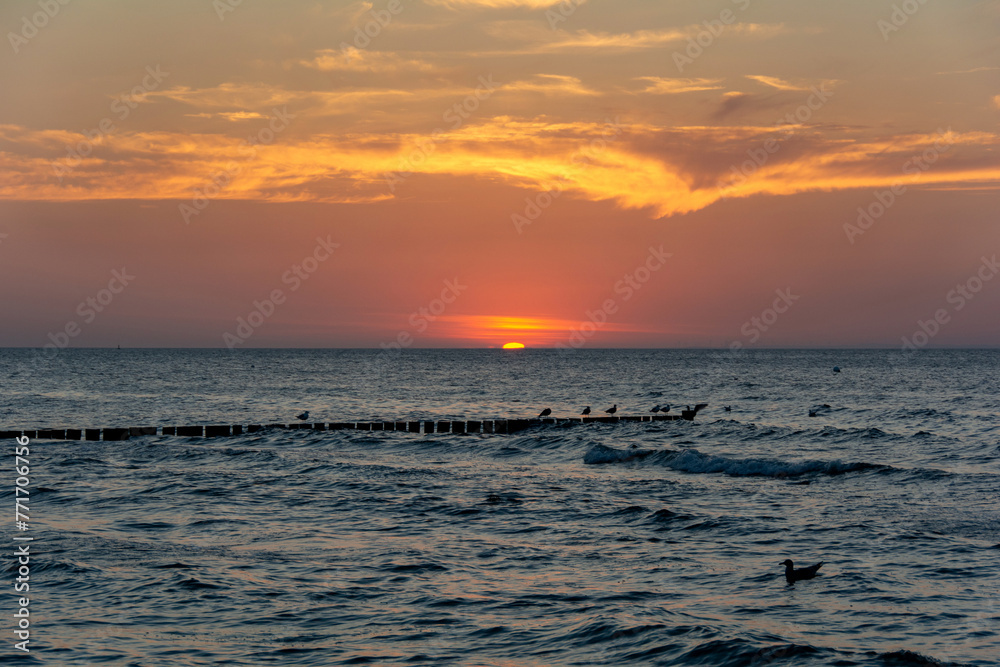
(693, 461)
(604, 454)
(905, 657)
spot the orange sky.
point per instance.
(473, 172)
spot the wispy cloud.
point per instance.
(498, 4)
(974, 70)
(642, 39)
(262, 98)
(552, 84)
(647, 39)
(241, 115)
(661, 86)
(775, 82)
(363, 60)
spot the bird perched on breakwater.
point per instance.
(304, 416)
(793, 574)
(613, 409)
(586, 411)
(664, 409)
(656, 408)
(545, 413)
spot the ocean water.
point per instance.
(601, 544)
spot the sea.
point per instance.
(632, 543)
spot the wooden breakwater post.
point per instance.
(427, 427)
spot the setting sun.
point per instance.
(513, 346)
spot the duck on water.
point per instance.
(793, 574)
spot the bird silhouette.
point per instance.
(728, 408)
(613, 409)
(793, 574)
(545, 413)
(304, 416)
(586, 411)
(664, 409)
(656, 408)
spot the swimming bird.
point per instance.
(836, 369)
(586, 411)
(656, 408)
(728, 408)
(793, 574)
(304, 416)
(613, 409)
(545, 413)
(812, 413)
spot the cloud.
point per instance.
(775, 82)
(641, 39)
(353, 59)
(552, 84)
(263, 98)
(647, 39)
(241, 115)
(661, 86)
(732, 102)
(996, 101)
(665, 171)
(974, 70)
(499, 4)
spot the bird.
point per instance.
(792, 574)
(664, 409)
(304, 416)
(836, 369)
(586, 411)
(545, 413)
(728, 408)
(812, 413)
(656, 408)
(613, 409)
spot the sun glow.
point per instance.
(513, 346)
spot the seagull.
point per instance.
(656, 408)
(728, 408)
(586, 411)
(545, 413)
(792, 574)
(664, 409)
(613, 409)
(304, 416)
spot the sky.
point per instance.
(467, 173)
